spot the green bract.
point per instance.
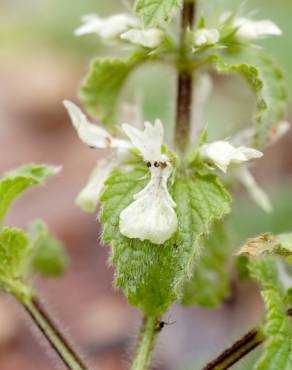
(154, 12)
(152, 275)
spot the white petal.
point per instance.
(88, 198)
(250, 153)
(205, 36)
(255, 191)
(148, 141)
(222, 154)
(89, 133)
(91, 24)
(107, 28)
(149, 38)
(151, 216)
(250, 30)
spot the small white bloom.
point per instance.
(248, 29)
(151, 216)
(206, 36)
(96, 137)
(107, 28)
(255, 191)
(149, 38)
(148, 141)
(222, 154)
(91, 134)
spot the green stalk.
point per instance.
(148, 333)
(55, 338)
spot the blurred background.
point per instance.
(42, 63)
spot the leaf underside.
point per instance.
(103, 85)
(16, 181)
(267, 82)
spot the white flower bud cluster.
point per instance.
(121, 27)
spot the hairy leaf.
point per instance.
(154, 12)
(103, 85)
(209, 284)
(150, 275)
(48, 257)
(15, 254)
(267, 82)
(278, 328)
(16, 181)
(264, 244)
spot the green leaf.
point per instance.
(16, 181)
(278, 350)
(278, 328)
(15, 254)
(152, 276)
(209, 284)
(102, 87)
(48, 257)
(267, 82)
(269, 244)
(154, 12)
(264, 270)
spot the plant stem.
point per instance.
(185, 80)
(148, 333)
(56, 339)
(237, 351)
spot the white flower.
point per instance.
(96, 137)
(222, 154)
(149, 38)
(91, 134)
(107, 28)
(248, 29)
(244, 175)
(206, 36)
(151, 216)
(88, 198)
(148, 141)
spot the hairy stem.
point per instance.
(148, 333)
(55, 338)
(237, 351)
(184, 80)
